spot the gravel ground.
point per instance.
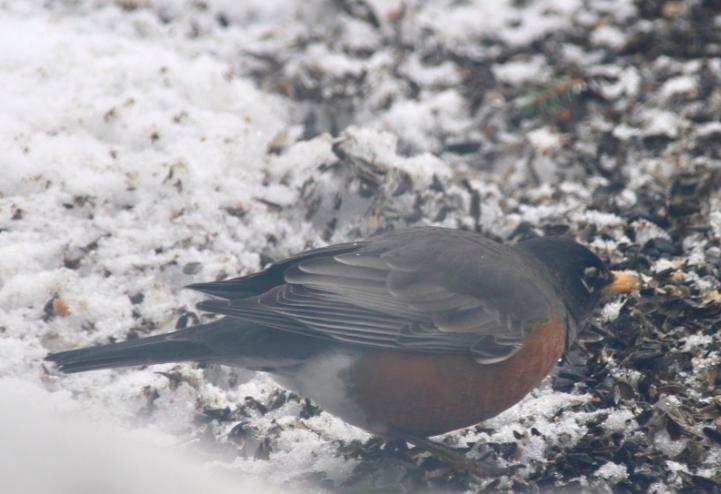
(148, 144)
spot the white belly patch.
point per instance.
(323, 380)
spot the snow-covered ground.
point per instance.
(147, 144)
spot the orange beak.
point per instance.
(623, 282)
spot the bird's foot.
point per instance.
(480, 468)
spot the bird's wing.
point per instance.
(425, 290)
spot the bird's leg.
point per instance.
(458, 460)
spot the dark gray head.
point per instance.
(579, 275)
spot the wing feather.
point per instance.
(422, 290)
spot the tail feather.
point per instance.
(226, 340)
(152, 350)
(195, 343)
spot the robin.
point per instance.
(409, 334)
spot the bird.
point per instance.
(408, 334)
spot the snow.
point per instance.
(681, 85)
(612, 309)
(695, 340)
(444, 74)
(608, 36)
(645, 231)
(661, 123)
(520, 71)
(616, 81)
(668, 446)
(137, 137)
(123, 145)
(514, 26)
(320, 59)
(413, 122)
(544, 410)
(612, 471)
(625, 132)
(630, 81)
(48, 439)
(709, 129)
(621, 421)
(663, 265)
(716, 222)
(544, 140)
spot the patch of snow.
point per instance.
(645, 231)
(320, 58)
(714, 64)
(612, 309)
(692, 66)
(695, 340)
(443, 74)
(359, 35)
(625, 132)
(417, 121)
(619, 9)
(540, 410)
(630, 82)
(669, 447)
(608, 36)
(48, 441)
(681, 85)
(126, 154)
(574, 53)
(709, 129)
(516, 72)
(626, 198)
(664, 265)
(715, 220)
(544, 140)
(501, 18)
(661, 488)
(713, 460)
(661, 123)
(694, 246)
(675, 466)
(600, 218)
(621, 421)
(613, 472)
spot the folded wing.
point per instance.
(422, 290)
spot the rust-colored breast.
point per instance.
(426, 394)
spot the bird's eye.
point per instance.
(588, 279)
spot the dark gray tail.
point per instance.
(188, 344)
(227, 340)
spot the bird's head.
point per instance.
(581, 276)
